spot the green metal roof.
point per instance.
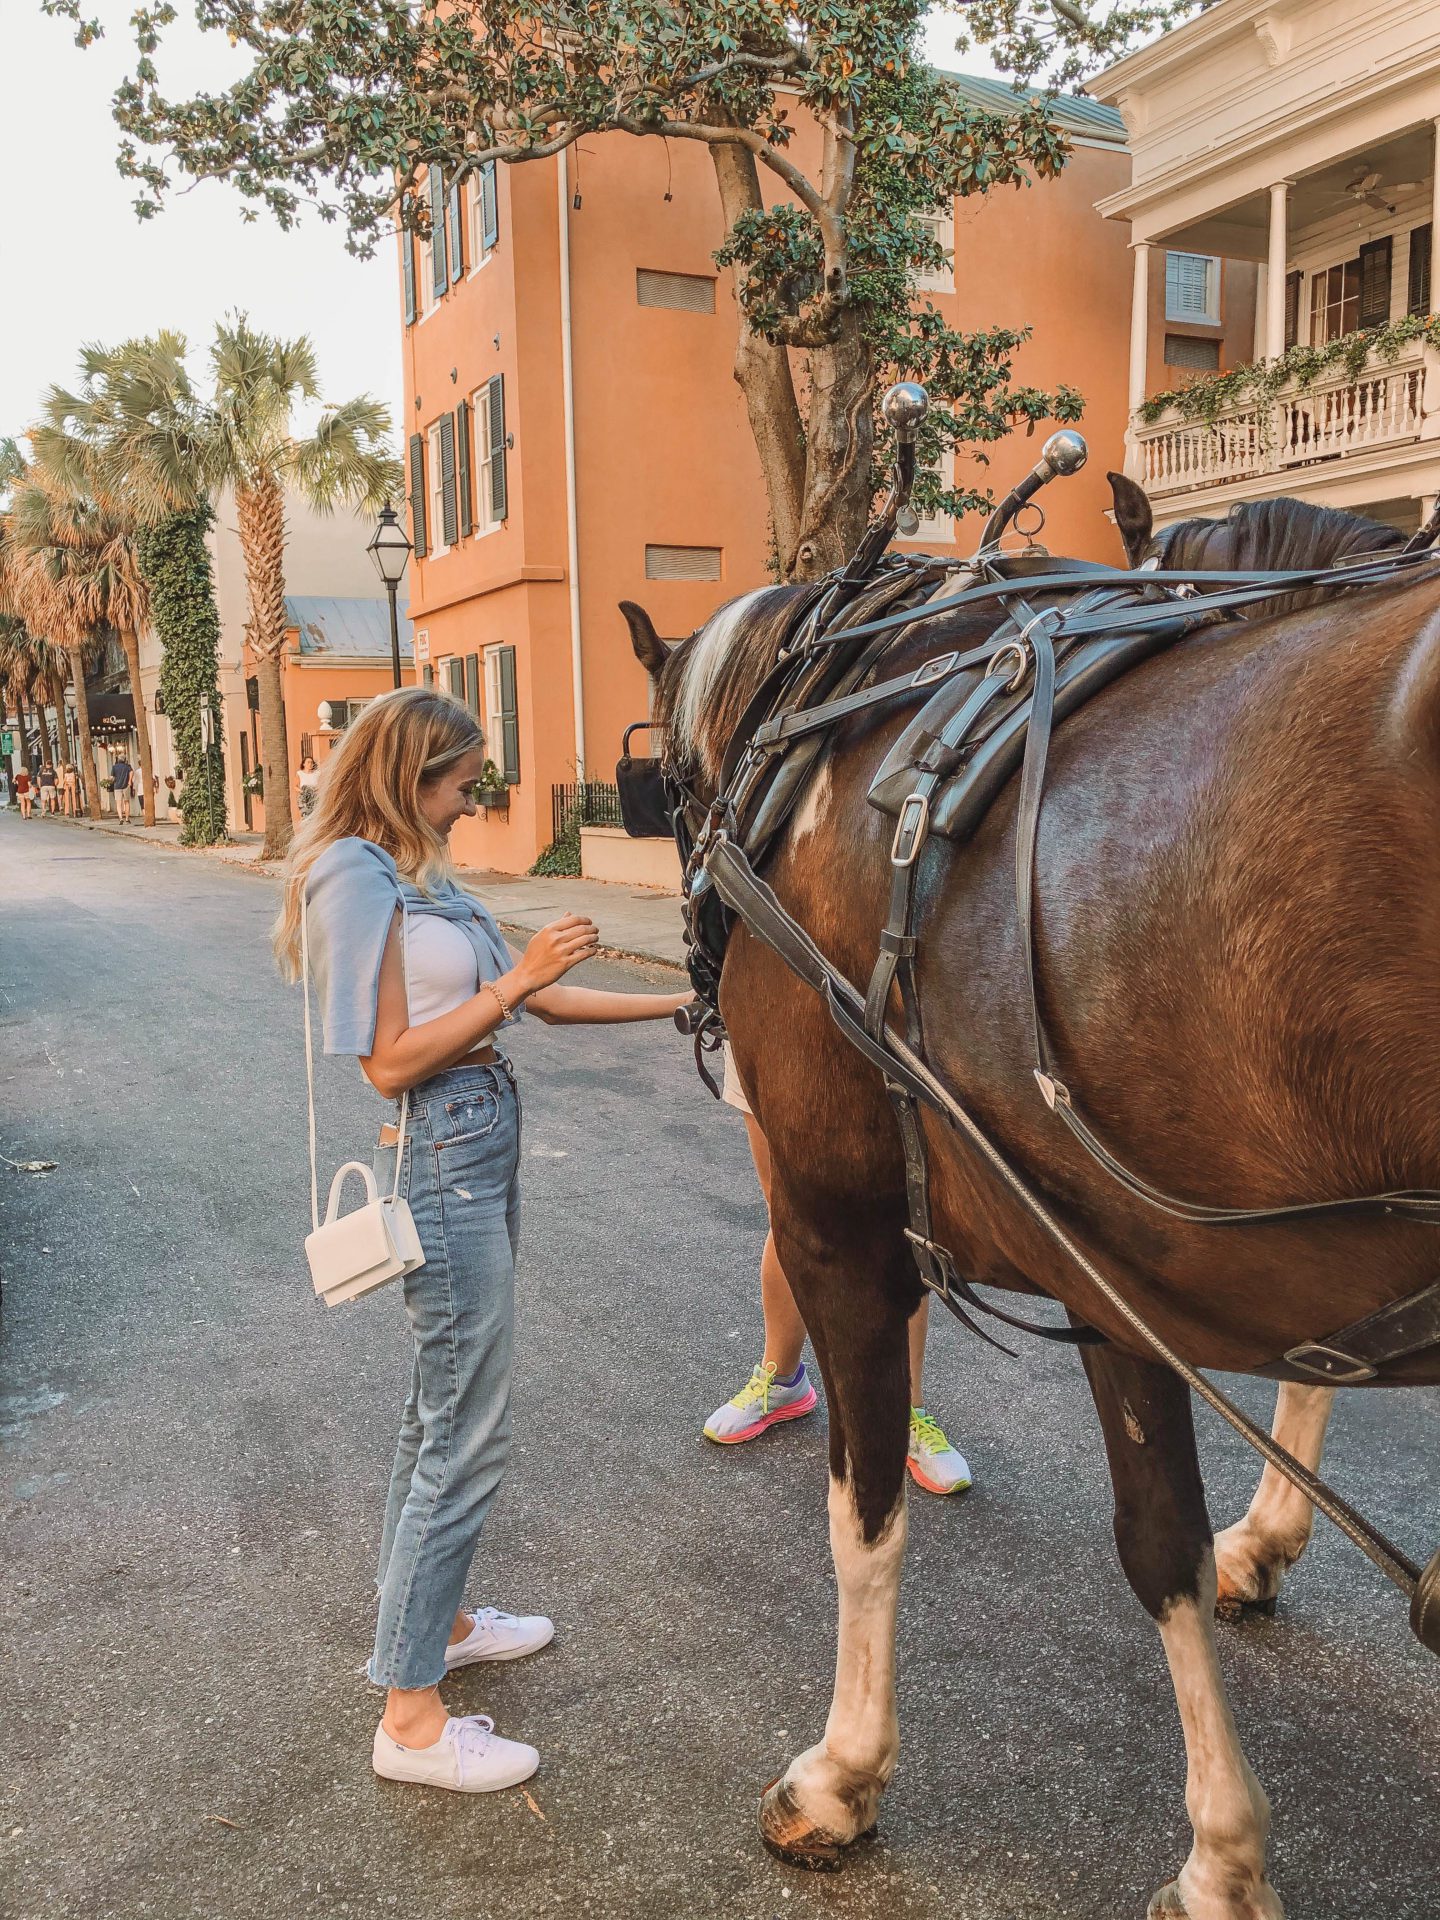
(1076, 112)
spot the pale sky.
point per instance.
(80, 267)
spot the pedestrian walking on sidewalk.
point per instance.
(305, 783)
(779, 1388)
(121, 772)
(24, 793)
(70, 787)
(415, 979)
(49, 784)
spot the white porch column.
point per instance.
(1139, 325)
(1435, 222)
(1275, 273)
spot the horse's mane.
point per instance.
(1273, 534)
(711, 678)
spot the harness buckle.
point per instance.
(934, 1264)
(934, 669)
(910, 830)
(1318, 1353)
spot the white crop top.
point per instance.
(441, 971)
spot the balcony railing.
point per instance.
(1339, 414)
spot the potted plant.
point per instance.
(108, 783)
(255, 783)
(492, 790)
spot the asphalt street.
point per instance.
(194, 1456)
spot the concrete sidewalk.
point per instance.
(635, 922)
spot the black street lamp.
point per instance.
(390, 551)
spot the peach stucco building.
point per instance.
(575, 435)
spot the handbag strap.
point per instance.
(310, 1060)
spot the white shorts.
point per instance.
(733, 1093)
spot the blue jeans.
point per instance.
(461, 1177)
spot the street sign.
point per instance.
(422, 644)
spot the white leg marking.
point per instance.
(838, 1783)
(812, 808)
(1254, 1554)
(1224, 1878)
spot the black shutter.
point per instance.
(489, 206)
(417, 494)
(1292, 308)
(1417, 297)
(448, 516)
(462, 467)
(499, 495)
(457, 233)
(440, 276)
(456, 670)
(1375, 262)
(407, 271)
(472, 683)
(509, 719)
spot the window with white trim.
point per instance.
(483, 189)
(435, 472)
(502, 732)
(425, 267)
(1192, 288)
(934, 528)
(483, 457)
(940, 225)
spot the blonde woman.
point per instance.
(70, 787)
(416, 981)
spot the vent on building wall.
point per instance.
(1183, 350)
(686, 292)
(682, 563)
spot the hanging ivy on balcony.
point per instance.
(1260, 383)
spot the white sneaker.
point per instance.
(934, 1464)
(760, 1404)
(469, 1757)
(495, 1635)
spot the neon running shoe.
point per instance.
(934, 1464)
(761, 1403)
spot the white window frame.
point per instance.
(1187, 316)
(481, 462)
(490, 672)
(934, 527)
(480, 254)
(435, 493)
(425, 267)
(942, 221)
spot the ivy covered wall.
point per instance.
(176, 564)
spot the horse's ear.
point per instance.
(1132, 516)
(650, 650)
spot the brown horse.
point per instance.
(1238, 915)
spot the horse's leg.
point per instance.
(1253, 1556)
(1163, 1533)
(828, 1795)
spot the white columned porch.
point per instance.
(1275, 269)
(1140, 325)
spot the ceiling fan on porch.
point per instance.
(1362, 189)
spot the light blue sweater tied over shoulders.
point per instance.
(351, 895)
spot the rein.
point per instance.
(813, 687)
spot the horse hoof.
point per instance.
(1168, 1903)
(1239, 1606)
(788, 1832)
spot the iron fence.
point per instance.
(584, 803)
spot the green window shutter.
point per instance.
(440, 278)
(456, 670)
(407, 271)
(1375, 260)
(457, 233)
(472, 683)
(499, 493)
(1292, 308)
(427, 676)
(489, 206)
(462, 467)
(448, 515)
(509, 719)
(1417, 297)
(417, 494)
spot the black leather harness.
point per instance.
(1067, 630)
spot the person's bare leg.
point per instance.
(784, 1329)
(919, 1323)
(415, 1716)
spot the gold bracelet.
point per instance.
(505, 1006)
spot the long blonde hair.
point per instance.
(370, 787)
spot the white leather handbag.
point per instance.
(351, 1254)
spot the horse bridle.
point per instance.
(721, 884)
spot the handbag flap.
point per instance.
(351, 1247)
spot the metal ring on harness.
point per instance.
(1021, 655)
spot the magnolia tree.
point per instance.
(344, 105)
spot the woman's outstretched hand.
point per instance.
(555, 949)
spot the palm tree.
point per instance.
(168, 448)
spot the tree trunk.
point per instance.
(765, 377)
(82, 721)
(130, 641)
(839, 445)
(56, 689)
(47, 755)
(260, 512)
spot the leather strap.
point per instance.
(1357, 1352)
